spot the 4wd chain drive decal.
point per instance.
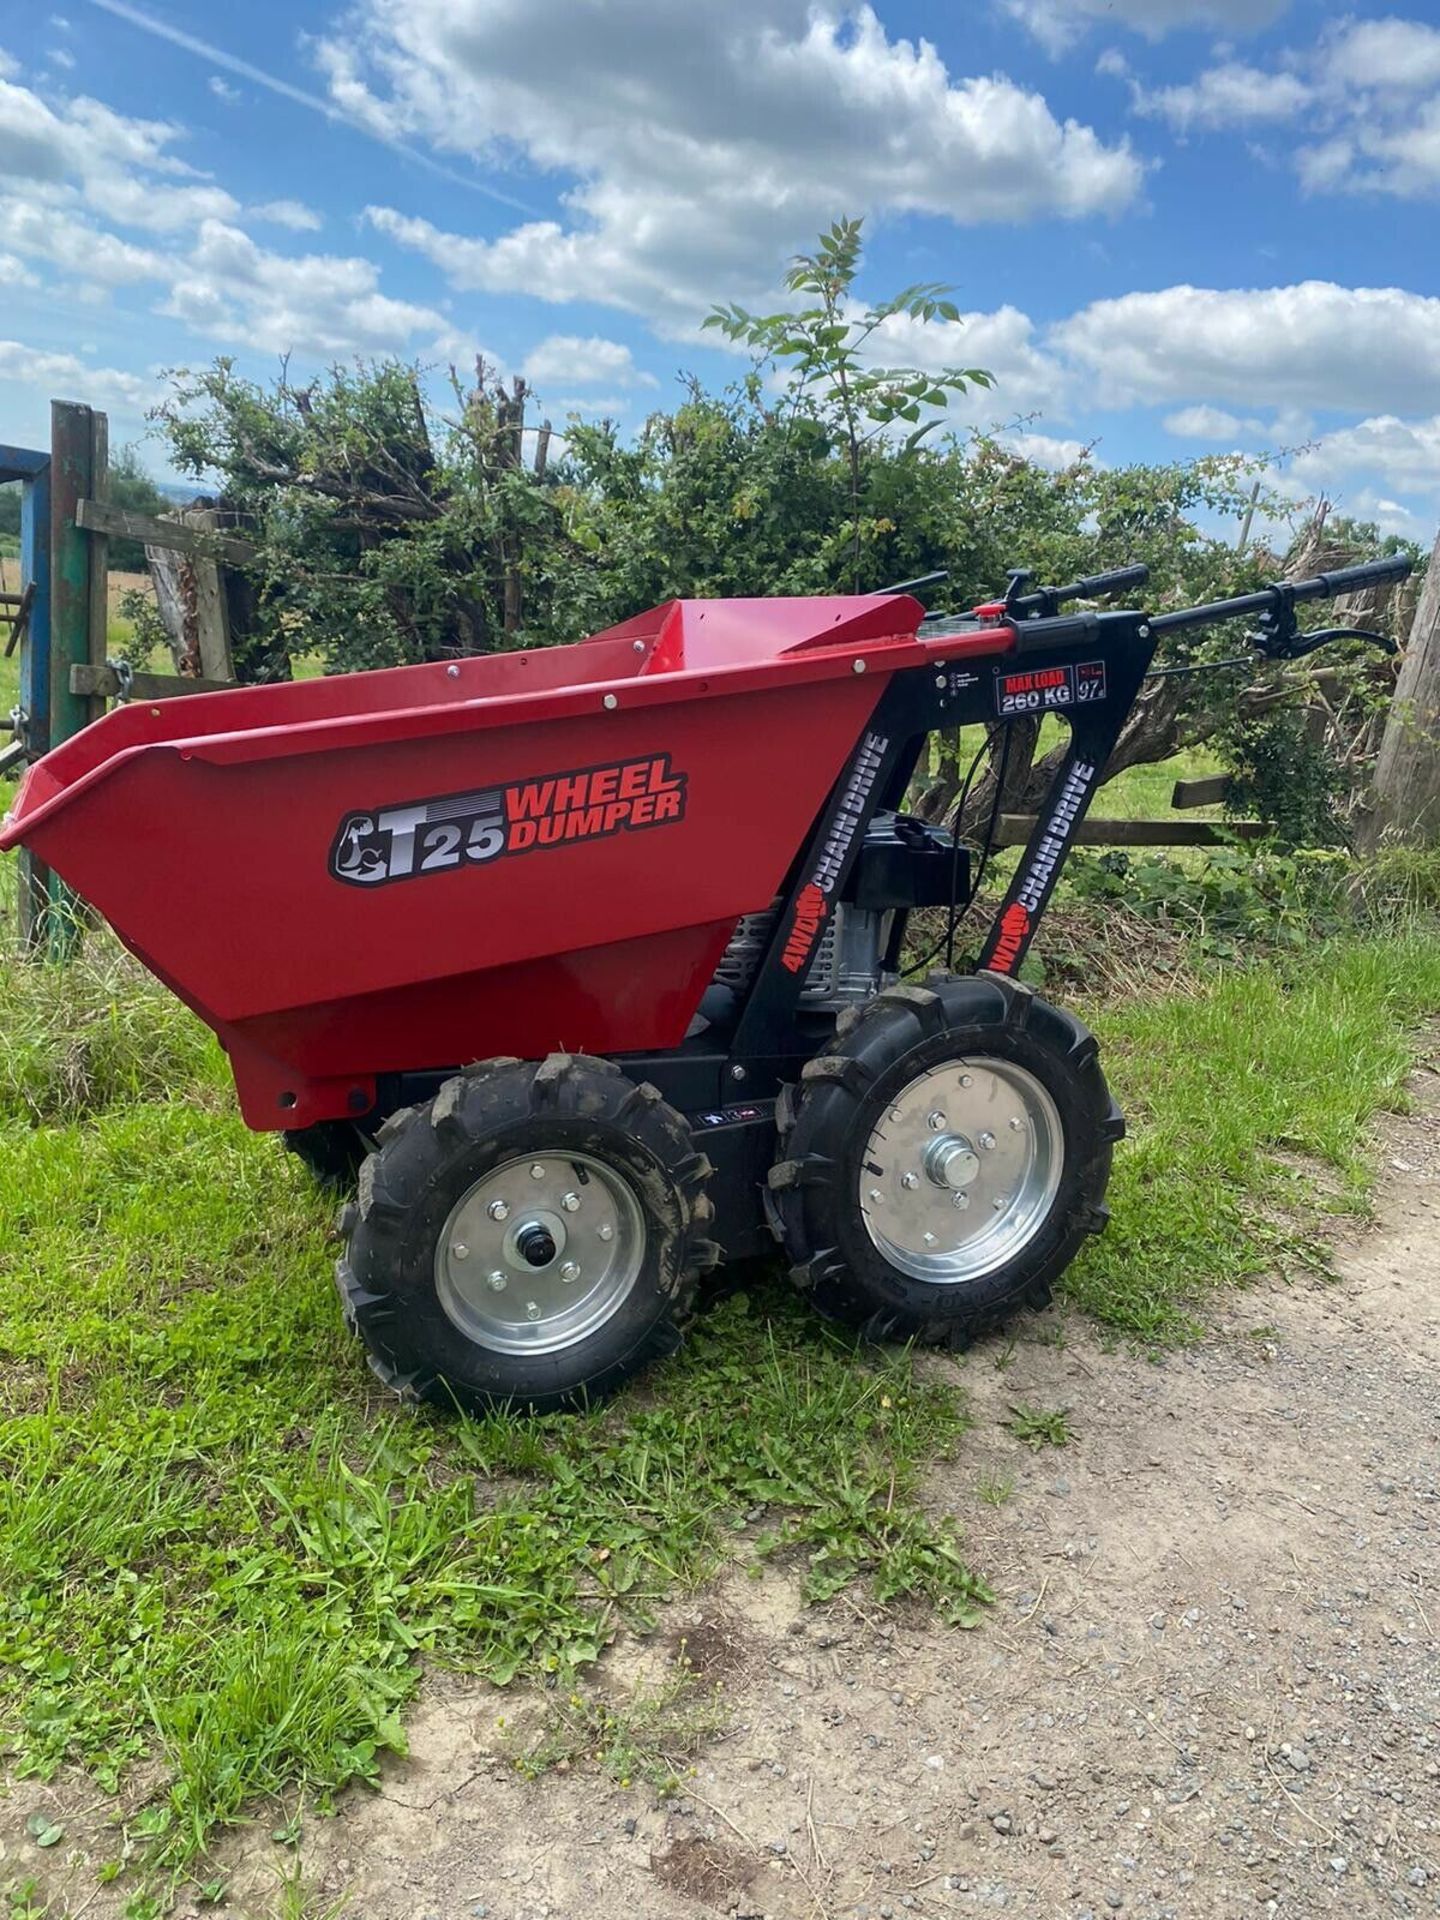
(1015, 923)
(812, 903)
(1043, 689)
(471, 829)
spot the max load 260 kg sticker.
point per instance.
(471, 829)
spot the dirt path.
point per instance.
(1210, 1685)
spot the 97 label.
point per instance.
(405, 841)
(1046, 689)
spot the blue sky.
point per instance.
(1175, 226)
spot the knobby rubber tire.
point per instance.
(813, 1199)
(428, 1157)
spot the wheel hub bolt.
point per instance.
(929, 1239)
(875, 1196)
(965, 1080)
(896, 1115)
(498, 1210)
(936, 1122)
(460, 1250)
(1016, 1123)
(607, 1232)
(496, 1281)
(569, 1270)
(571, 1202)
(1001, 1203)
(961, 1200)
(986, 1140)
(537, 1172)
(909, 1180)
(532, 1309)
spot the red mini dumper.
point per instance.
(656, 887)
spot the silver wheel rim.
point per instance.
(961, 1170)
(540, 1253)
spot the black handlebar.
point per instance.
(1090, 588)
(1046, 601)
(1275, 600)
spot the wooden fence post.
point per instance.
(1406, 798)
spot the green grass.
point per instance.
(1233, 1093)
(224, 1559)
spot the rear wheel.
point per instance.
(942, 1163)
(531, 1238)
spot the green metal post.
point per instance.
(72, 479)
(31, 468)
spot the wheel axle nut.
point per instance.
(571, 1202)
(498, 1210)
(496, 1281)
(569, 1270)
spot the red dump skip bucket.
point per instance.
(508, 854)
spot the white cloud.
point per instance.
(1210, 423)
(1399, 55)
(67, 373)
(222, 89)
(1029, 379)
(238, 293)
(62, 164)
(1369, 92)
(61, 57)
(293, 214)
(1232, 95)
(86, 153)
(1314, 345)
(1044, 450)
(1058, 24)
(1406, 453)
(43, 232)
(583, 363)
(704, 143)
(15, 273)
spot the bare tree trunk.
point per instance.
(1406, 797)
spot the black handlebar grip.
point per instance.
(1064, 630)
(1373, 573)
(1115, 582)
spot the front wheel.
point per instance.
(529, 1240)
(942, 1163)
